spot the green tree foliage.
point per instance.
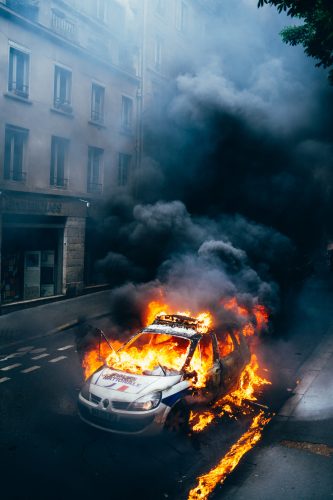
(316, 31)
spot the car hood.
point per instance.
(127, 383)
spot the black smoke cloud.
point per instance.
(236, 176)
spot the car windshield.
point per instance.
(151, 354)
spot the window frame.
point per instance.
(11, 173)
(95, 115)
(59, 103)
(158, 53)
(127, 124)
(92, 186)
(54, 166)
(13, 68)
(124, 169)
(182, 14)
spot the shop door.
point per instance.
(47, 273)
(32, 268)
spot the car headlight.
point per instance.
(146, 403)
(85, 392)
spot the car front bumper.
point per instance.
(123, 422)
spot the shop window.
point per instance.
(18, 81)
(95, 158)
(124, 169)
(158, 53)
(62, 89)
(181, 16)
(59, 151)
(97, 103)
(225, 344)
(15, 141)
(127, 113)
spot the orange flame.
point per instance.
(208, 482)
(236, 402)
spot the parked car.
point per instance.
(155, 379)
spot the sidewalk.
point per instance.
(52, 317)
(295, 459)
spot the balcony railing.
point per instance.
(93, 187)
(63, 105)
(97, 116)
(59, 182)
(19, 89)
(62, 25)
(15, 175)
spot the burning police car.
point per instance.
(155, 379)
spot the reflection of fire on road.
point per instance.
(171, 354)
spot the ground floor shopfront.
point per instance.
(42, 246)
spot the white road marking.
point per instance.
(37, 351)
(14, 355)
(41, 356)
(4, 379)
(31, 369)
(65, 348)
(26, 348)
(55, 360)
(10, 367)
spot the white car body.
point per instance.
(110, 397)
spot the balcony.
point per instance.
(15, 175)
(59, 182)
(94, 188)
(63, 105)
(19, 89)
(97, 116)
(62, 25)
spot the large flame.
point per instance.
(208, 482)
(236, 402)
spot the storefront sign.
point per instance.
(42, 206)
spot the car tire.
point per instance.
(178, 420)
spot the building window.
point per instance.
(97, 103)
(124, 169)
(127, 113)
(181, 16)
(158, 53)
(59, 151)
(101, 10)
(160, 7)
(62, 89)
(18, 81)
(15, 140)
(95, 158)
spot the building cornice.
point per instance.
(47, 33)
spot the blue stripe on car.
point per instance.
(171, 400)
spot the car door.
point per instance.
(231, 360)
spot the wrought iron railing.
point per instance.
(94, 187)
(63, 105)
(15, 175)
(19, 89)
(59, 182)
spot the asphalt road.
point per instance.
(47, 452)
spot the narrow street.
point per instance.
(50, 453)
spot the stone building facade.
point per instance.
(77, 77)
